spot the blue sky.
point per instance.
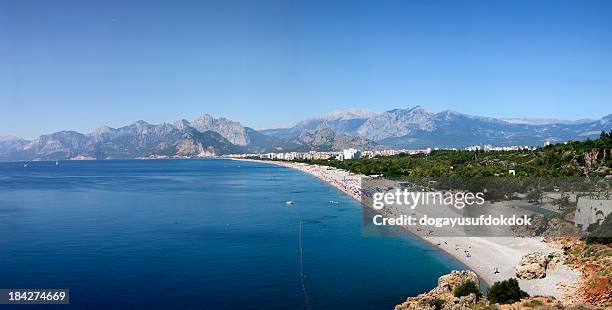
(77, 65)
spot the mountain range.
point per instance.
(417, 127)
(414, 127)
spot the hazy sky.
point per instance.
(76, 65)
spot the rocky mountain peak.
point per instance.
(451, 112)
(322, 135)
(230, 130)
(323, 138)
(103, 129)
(140, 124)
(418, 109)
(9, 138)
(182, 124)
(102, 133)
(397, 123)
(204, 119)
(348, 114)
(323, 127)
(606, 119)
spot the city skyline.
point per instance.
(78, 66)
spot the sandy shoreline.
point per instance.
(486, 253)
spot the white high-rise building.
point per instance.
(351, 154)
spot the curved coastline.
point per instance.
(219, 220)
(487, 253)
(427, 241)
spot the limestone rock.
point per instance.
(448, 283)
(532, 266)
(444, 292)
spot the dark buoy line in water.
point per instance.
(190, 234)
(302, 273)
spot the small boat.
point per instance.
(333, 201)
(289, 202)
(26, 165)
(57, 162)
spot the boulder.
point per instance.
(449, 282)
(532, 266)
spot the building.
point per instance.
(591, 210)
(351, 154)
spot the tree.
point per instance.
(506, 292)
(535, 195)
(563, 202)
(437, 303)
(466, 288)
(600, 233)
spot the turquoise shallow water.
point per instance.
(199, 234)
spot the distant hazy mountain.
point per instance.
(230, 130)
(544, 121)
(11, 144)
(417, 127)
(341, 122)
(453, 129)
(135, 140)
(323, 138)
(397, 123)
(144, 139)
(139, 139)
(235, 133)
(204, 136)
(414, 127)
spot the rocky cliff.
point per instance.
(442, 296)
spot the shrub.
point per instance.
(437, 303)
(535, 196)
(533, 303)
(483, 305)
(600, 233)
(506, 292)
(466, 288)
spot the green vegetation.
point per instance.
(437, 303)
(557, 160)
(506, 292)
(483, 304)
(595, 254)
(564, 205)
(466, 288)
(533, 303)
(535, 195)
(600, 233)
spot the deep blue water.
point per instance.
(198, 234)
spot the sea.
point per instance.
(199, 234)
